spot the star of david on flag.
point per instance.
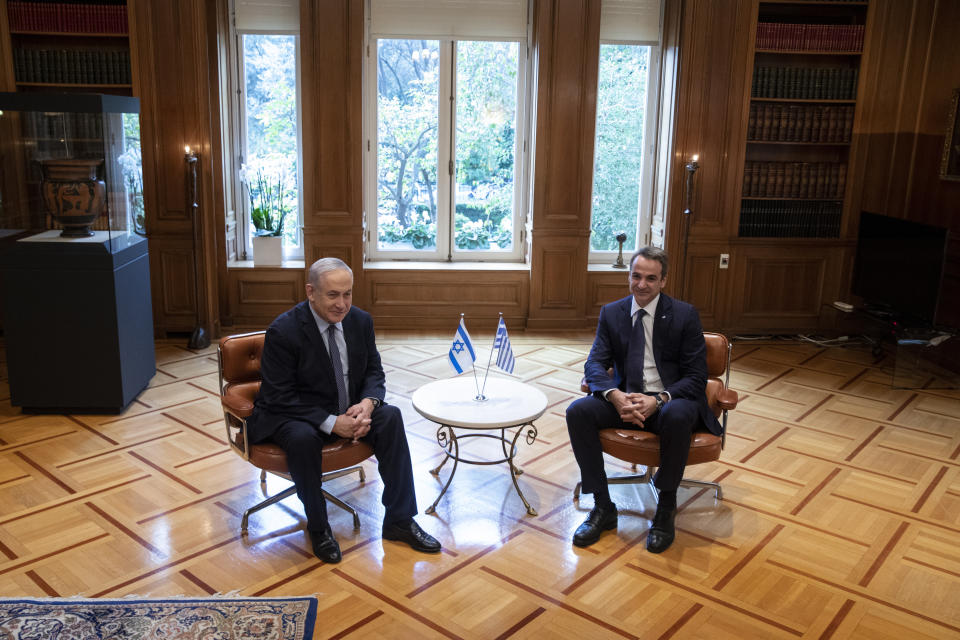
(461, 354)
(501, 344)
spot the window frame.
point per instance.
(238, 126)
(645, 201)
(446, 249)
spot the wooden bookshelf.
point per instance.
(803, 97)
(78, 45)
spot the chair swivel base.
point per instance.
(292, 489)
(647, 479)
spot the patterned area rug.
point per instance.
(170, 619)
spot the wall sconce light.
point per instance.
(691, 168)
(198, 338)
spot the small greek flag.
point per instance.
(461, 354)
(501, 345)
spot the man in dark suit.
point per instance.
(655, 346)
(322, 379)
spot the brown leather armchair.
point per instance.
(643, 448)
(239, 360)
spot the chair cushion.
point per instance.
(642, 447)
(339, 454)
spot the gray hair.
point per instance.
(652, 253)
(325, 265)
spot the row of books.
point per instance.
(800, 122)
(71, 66)
(766, 219)
(810, 37)
(805, 83)
(67, 17)
(41, 126)
(794, 179)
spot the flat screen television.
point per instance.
(899, 265)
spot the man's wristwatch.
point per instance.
(376, 402)
(660, 400)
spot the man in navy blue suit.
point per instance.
(321, 380)
(655, 346)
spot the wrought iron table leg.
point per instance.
(441, 438)
(514, 472)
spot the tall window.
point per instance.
(267, 150)
(626, 115)
(619, 187)
(270, 171)
(445, 126)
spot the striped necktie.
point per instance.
(342, 397)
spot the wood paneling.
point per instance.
(260, 295)
(7, 79)
(331, 49)
(566, 57)
(174, 82)
(435, 299)
(781, 289)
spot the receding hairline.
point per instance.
(323, 266)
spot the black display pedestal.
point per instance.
(78, 322)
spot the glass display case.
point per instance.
(74, 264)
(71, 169)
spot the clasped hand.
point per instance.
(355, 422)
(634, 408)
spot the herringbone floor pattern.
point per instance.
(840, 517)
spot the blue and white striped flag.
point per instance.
(461, 354)
(501, 344)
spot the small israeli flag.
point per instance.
(501, 345)
(461, 354)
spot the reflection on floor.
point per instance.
(840, 518)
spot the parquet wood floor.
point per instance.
(840, 518)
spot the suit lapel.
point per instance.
(308, 326)
(661, 325)
(351, 335)
(624, 326)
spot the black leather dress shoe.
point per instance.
(661, 531)
(325, 546)
(410, 533)
(600, 519)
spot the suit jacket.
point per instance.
(678, 349)
(297, 375)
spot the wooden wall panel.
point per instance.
(173, 295)
(260, 295)
(783, 289)
(331, 47)
(7, 78)
(174, 83)
(566, 59)
(604, 287)
(435, 299)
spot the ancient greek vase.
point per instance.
(73, 195)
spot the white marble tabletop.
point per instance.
(452, 402)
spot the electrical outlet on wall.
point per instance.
(724, 260)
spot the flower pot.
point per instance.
(73, 195)
(267, 251)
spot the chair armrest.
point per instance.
(727, 399)
(584, 386)
(239, 405)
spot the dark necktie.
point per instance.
(635, 349)
(342, 397)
